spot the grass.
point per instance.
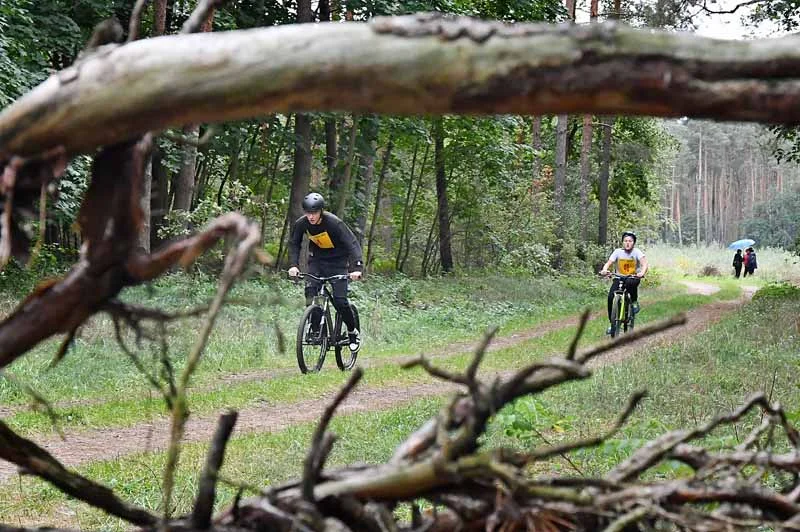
(399, 316)
(688, 381)
(127, 409)
(773, 264)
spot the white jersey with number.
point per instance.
(627, 263)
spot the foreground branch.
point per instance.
(403, 65)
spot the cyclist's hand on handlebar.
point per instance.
(293, 271)
(604, 273)
(355, 276)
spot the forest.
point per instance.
(427, 195)
(487, 155)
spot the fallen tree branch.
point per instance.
(421, 64)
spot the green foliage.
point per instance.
(776, 222)
(777, 290)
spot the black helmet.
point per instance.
(313, 202)
(630, 234)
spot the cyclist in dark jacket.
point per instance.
(332, 250)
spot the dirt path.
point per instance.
(91, 446)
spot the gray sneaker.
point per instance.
(635, 307)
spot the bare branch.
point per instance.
(247, 237)
(573, 347)
(435, 371)
(136, 19)
(201, 515)
(480, 351)
(632, 337)
(200, 15)
(317, 452)
(182, 139)
(734, 9)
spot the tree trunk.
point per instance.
(344, 191)
(409, 223)
(441, 195)
(560, 181)
(159, 197)
(586, 148)
(698, 190)
(387, 154)
(159, 26)
(276, 161)
(367, 148)
(605, 169)
(301, 174)
(536, 143)
(184, 187)
(405, 217)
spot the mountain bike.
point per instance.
(317, 332)
(622, 314)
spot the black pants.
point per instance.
(738, 270)
(631, 284)
(340, 301)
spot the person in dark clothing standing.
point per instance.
(751, 263)
(332, 250)
(737, 262)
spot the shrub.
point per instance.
(779, 290)
(710, 270)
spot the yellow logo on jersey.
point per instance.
(626, 266)
(322, 240)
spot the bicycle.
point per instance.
(622, 315)
(313, 345)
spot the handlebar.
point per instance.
(340, 277)
(618, 276)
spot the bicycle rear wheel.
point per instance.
(312, 347)
(345, 358)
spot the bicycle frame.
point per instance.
(625, 315)
(329, 334)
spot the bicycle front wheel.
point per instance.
(312, 339)
(616, 321)
(345, 358)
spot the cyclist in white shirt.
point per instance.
(627, 260)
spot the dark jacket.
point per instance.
(331, 240)
(752, 263)
(737, 260)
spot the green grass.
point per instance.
(127, 409)
(688, 381)
(773, 264)
(254, 459)
(399, 315)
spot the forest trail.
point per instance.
(82, 447)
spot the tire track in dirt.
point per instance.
(82, 447)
